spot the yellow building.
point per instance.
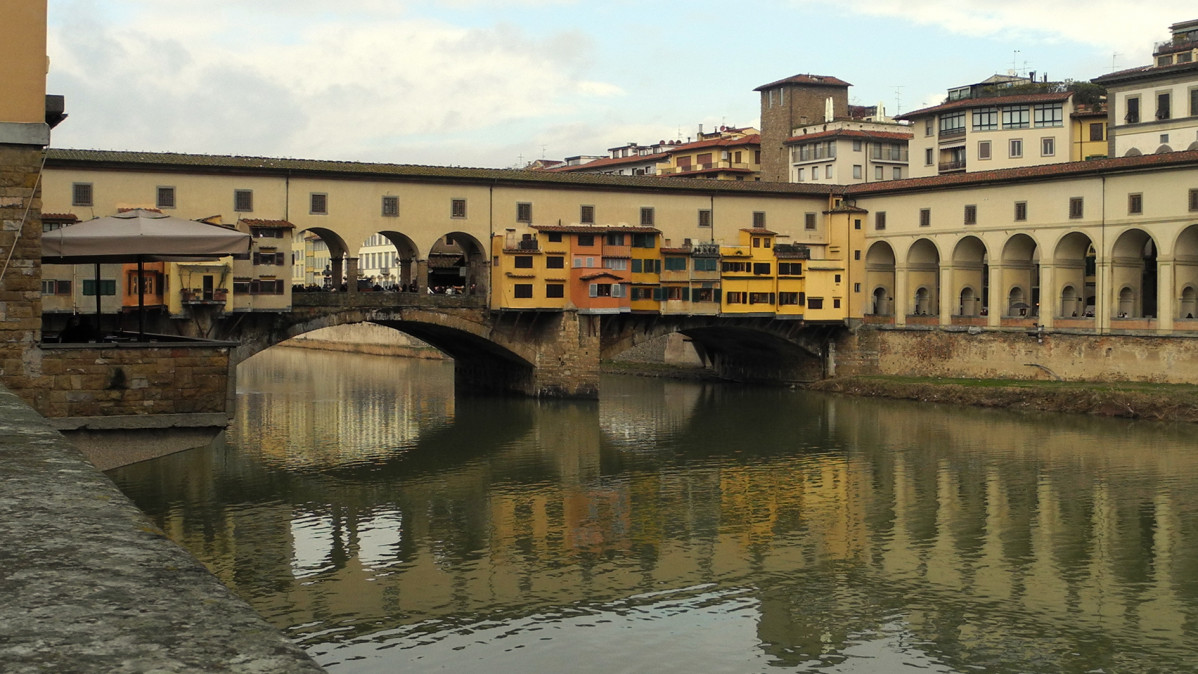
(748, 274)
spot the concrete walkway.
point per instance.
(88, 584)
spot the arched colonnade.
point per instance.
(1069, 279)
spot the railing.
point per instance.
(955, 165)
(197, 296)
(952, 133)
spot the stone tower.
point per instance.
(792, 102)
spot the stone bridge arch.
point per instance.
(492, 353)
(740, 349)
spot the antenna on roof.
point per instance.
(898, 99)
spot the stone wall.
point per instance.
(20, 265)
(1018, 355)
(91, 380)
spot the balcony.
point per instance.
(952, 133)
(197, 296)
(952, 166)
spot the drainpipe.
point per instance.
(1102, 329)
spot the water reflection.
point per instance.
(681, 525)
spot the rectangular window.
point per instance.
(523, 291)
(107, 287)
(815, 303)
(985, 119)
(971, 214)
(586, 240)
(81, 194)
(390, 207)
(243, 201)
(51, 287)
(319, 204)
(1075, 207)
(674, 263)
(587, 215)
(1194, 200)
(761, 268)
(809, 221)
(799, 176)
(925, 217)
(704, 218)
(856, 223)
(706, 264)
(896, 172)
(555, 290)
(790, 268)
(165, 198)
(555, 262)
(735, 298)
(646, 216)
(927, 127)
(828, 171)
(1016, 149)
(877, 173)
(1133, 110)
(1135, 204)
(1096, 131)
(789, 298)
(952, 123)
(984, 149)
(1020, 211)
(1194, 102)
(880, 220)
(1163, 107)
(857, 172)
(1048, 115)
(522, 262)
(928, 157)
(615, 263)
(1048, 147)
(524, 212)
(1016, 117)
(613, 239)
(759, 219)
(457, 208)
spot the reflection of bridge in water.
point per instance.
(1052, 542)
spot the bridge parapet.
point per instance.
(384, 300)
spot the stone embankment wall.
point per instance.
(20, 261)
(130, 379)
(1018, 355)
(90, 585)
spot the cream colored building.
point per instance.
(1154, 108)
(991, 132)
(848, 152)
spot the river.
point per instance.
(682, 526)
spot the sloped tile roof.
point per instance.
(816, 80)
(267, 224)
(850, 133)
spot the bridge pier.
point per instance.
(565, 359)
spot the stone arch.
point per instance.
(879, 277)
(460, 262)
(1133, 268)
(324, 257)
(1192, 146)
(1185, 265)
(1071, 302)
(1163, 149)
(969, 272)
(1134, 152)
(1074, 261)
(389, 260)
(1021, 272)
(923, 274)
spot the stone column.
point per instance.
(351, 275)
(1102, 294)
(901, 301)
(997, 296)
(1166, 296)
(422, 276)
(337, 272)
(946, 290)
(1050, 296)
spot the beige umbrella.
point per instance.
(140, 236)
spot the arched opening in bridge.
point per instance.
(457, 264)
(323, 262)
(1185, 271)
(388, 261)
(1071, 302)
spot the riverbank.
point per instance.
(1129, 400)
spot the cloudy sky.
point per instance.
(497, 83)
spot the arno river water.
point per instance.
(679, 526)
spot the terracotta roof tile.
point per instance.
(59, 217)
(816, 80)
(850, 133)
(596, 229)
(1063, 170)
(268, 224)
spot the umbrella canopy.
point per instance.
(141, 235)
